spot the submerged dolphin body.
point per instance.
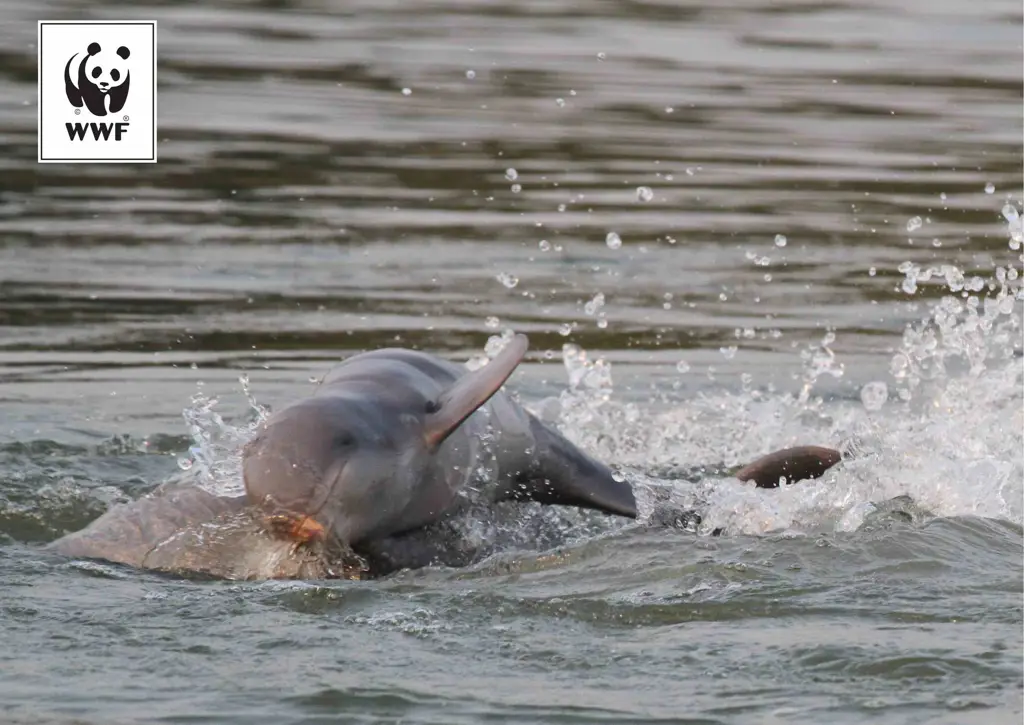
(373, 463)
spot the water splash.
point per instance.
(950, 438)
(944, 430)
(215, 456)
(494, 345)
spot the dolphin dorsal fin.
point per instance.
(471, 391)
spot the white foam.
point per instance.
(950, 438)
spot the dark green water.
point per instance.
(305, 207)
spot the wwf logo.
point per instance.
(105, 111)
(98, 79)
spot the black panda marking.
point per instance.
(81, 89)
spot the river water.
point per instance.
(724, 226)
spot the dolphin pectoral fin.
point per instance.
(565, 475)
(792, 464)
(471, 391)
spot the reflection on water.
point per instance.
(335, 175)
(714, 197)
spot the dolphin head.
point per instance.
(349, 467)
(360, 460)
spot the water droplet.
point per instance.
(508, 280)
(682, 367)
(780, 240)
(872, 272)
(561, 207)
(516, 188)
(492, 322)
(602, 322)
(990, 188)
(511, 174)
(185, 464)
(669, 109)
(874, 395)
(728, 352)
(471, 74)
(545, 245)
(913, 224)
(602, 56)
(594, 305)
(613, 240)
(560, 102)
(407, 91)
(565, 329)
(644, 193)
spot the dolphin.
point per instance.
(364, 475)
(389, 438)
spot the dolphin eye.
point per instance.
(114, 74)
(96, 72)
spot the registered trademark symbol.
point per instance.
(125, 118)
(78, 111)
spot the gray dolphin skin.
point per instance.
(361, 475)
(128, 532)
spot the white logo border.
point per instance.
(39, 92)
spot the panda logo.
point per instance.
(98, 76)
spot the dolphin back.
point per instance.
(563, 474)
(534, 462)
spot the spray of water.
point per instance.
(949, 438)
(943, 431)
(215, 456)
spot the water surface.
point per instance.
(335, 177)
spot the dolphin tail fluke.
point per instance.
(471, 391)
(565, 475)
(792, 464)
